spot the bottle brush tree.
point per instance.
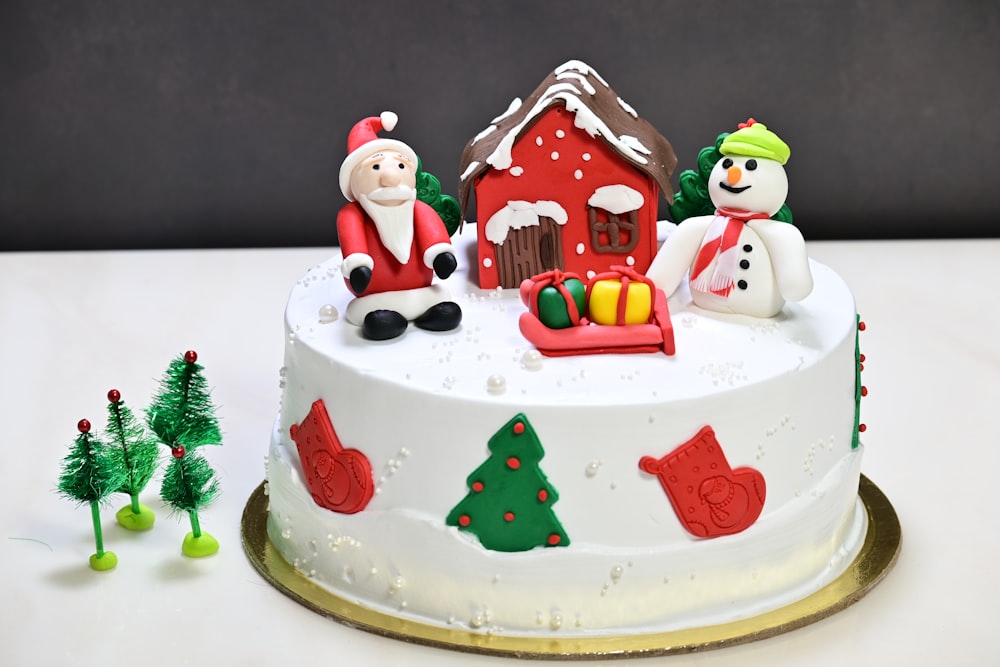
(90, 473)
(139, 457)
(183, 418)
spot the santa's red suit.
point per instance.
(403, 287)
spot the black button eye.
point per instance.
(375, 167)
(751, 164)
(727, 163)
(402, 166)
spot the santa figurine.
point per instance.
(740, 260)
(393, 244)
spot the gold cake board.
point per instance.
(877, 556)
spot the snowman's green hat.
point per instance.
(753, 139)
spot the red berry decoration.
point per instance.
(519, 428)
(862, 428)
(513, 463)
(864, 391)
(114, 396)
(464, 520)
(543, 495)
(554, 539)
(477, 486)
(508, 516)
(190, 356)
(861, 326)
(177, 452)
(83, 426)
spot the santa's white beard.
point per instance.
(394, 223)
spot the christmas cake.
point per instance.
(662, 491)
(612, 448)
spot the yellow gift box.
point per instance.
(604, 302)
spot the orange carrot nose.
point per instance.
(733, 175)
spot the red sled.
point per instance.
(656, 335)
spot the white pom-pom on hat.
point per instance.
(389, 120)
(363, 141)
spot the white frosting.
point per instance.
(519, 214)
(616, 199)
(778, 392)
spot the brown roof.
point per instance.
(600, 112)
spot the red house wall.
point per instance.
(550, 163)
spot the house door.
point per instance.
(528, 251)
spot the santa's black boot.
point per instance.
(443, 316)
(383, 325)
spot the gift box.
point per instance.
(620, 296)
(557, 299)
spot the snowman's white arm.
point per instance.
(677, 253)
(788, 257)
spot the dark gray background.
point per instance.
(222, 123)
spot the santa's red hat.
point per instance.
(364, 141)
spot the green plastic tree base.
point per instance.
(105, 562)
(142, 521)
(199, 547)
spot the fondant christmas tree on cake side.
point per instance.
(509, 504)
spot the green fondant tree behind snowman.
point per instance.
(509, 503)
(183, 418)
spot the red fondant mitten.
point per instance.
(339, 479)
(709, 497)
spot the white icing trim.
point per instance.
(634, 144)
(582, 68)
(488, 131)
(468, 170)
(355, 261)
(617, 199)
(515, 104)
(518, 214)
(628, 108)
(579, 77)
(436, 250)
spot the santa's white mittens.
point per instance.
(355, 260)
(436, 250)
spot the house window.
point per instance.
(613, 232)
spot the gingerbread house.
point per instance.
(569, 179)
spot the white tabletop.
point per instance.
(74, 325)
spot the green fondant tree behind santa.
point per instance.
(509, 504)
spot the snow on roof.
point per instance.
(518, 214)
(596, 109)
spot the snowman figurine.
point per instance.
(740, 260)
